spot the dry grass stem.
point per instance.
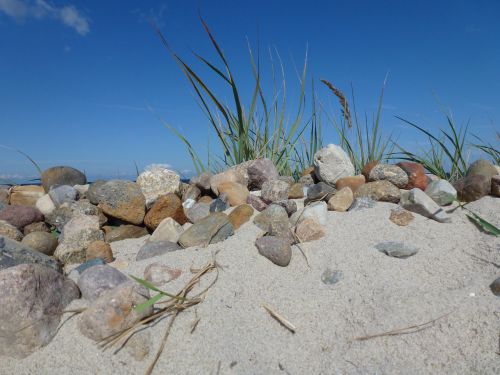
(342, 100)
(280, 318)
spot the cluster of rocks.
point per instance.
(55, 238)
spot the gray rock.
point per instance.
(332, 163)
(77, 271)
(276, 249)
(260, 171)
(482, 167)
(198, 212)
(32, 298)
(67, 211)
(62, 194)
(396, 249)
(218, 205)
(168, 230)
(495, 287)
(364, 203)
(154, 249)
(289, 205)
(13, 253)
(388, 172)
(417, 201)
(4, 195)
(271, 214)
(62, 176)
(202, 181)
(43, 242)
(10, 231)
(192, 192)
(274, 190)
(95, 280)
(441, 192)
(214, 228)
(320, 191)
(331, 277)
(256, 202)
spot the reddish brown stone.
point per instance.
(368, 168)
(169, 205)
(495, 185)
(352, 182)
(416, 175)
(99, 249)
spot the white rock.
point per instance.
(45, 205)
(332, 163)
(157, 180)
(188, 203)
(417, 201)
(317, 211)
(441, 192)
(82, 189)
(167, 230)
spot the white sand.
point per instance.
(376, 294)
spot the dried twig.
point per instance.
(280, 318)
(342, 100)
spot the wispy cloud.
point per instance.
(154, 15)
(68, 15)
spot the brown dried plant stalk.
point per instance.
(342, 100)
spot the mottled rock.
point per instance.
(320, 191)
(289, 205)
(274, 190)
(472, 188)
(391, 173)
(168, 230)
(260, 171)
(331, 277)
(13, 253)
(99, 249)
(157, 181)
(270, 214)
(332, 163)
(276, 249)
(36, 227)
(218, 205)
(307, 180)
(495, 186)
(158, 274)
(236, 193)
(62, 175)
(192, 192)
(482, 167)
(212, 229)
(45, 205)
(441, 192)
(227, 176)
(32, 298)
(10, 231)
(281, 229)
(94, 281)
(383, 191)
(62, 194)
(495, 287)
(154, 249)
(202, 181)
(240, 215)
(317, 211)
(363, 203)
(341, 200)
(43, 242)
(396, 249)
(67, 211)
(309, 230)
(296, 191)
(198, 211)
(256, 202)
(401, 217)
(124, 232)
(241, 171)
(169, 205)
(416, 175)
(415, 200)
(20, 216)
(353, 182)
(114, 311)
(26, 195)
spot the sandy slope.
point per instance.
(376, 294)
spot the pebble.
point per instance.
(396, 249)
(169, 205)
(45, 205)
(320, 191)
(212, 229)
(331, 276)
(417, 201)
(20, 216)
(193, 192)
(26, 195)
(364, 203)
(495, 287)
(94, 281)
(61, 194)
(199, 211)
(276, 249)
(495, 186)
(123, 232)
(353, 182)
(368, 168)
(289, 205)
(202, 181)
(256, 202)
(77, 271)
(482, 167)
(157, 180)
(168, 230)
(260, 171)
(158, 274)
(416, 175)
(316, 210)
(274, 190)
(401, 217)
(389, 172)
(441, 192)
(270, 214)
(472, 188)
(219, 205)
(240, 215)
(296, 191)
(43, 242)
(342, 200)
(228, 176)
(99, 249)
(10, 231)
(36, 227)
(154, 249)
(309, 230)
(383, 191)
(236, 193)
(332, 163)
(62, 175)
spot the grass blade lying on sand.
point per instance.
(485, 225)
(280, 318)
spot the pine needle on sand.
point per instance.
(280, 318)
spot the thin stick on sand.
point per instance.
(280, 318)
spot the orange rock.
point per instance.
(308, 171)
(169, 205)
(205, 199)
(352, 182)
(240, 215)
(99, 249)
(368, 168)
(26, 195)
(416, 175)
(236, 193)
(309, 230)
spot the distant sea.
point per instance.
(90, 179)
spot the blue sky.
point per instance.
(77, 77)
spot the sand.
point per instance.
(449, 275)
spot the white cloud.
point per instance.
(69, 15)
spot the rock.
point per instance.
(82, 190)
(415, 200)
(62, 176)
(157, 181)
(383, 191)
(296, 191)
(317, 211)
(77, 271)
(441, 192)
(289, 205)
(274, 190)
(212, 229)
(256, 202)
(497, 168)
(4, 194)
(307, 180)
(67, 211)
(76, 235)
(158, 274)
(236, 193)
(364, 203)
(472, 188)
(10, 231)
(13, 253)
(396, 249)
(482, 167)
(154, 249)
(168, 230)
(94, 193)
(401, 217)
(187, 204)
(169, 205)
(45, 205)
(192, 192)
(123, 232)
(353, 182)
(62, 194)
(495, 186)
(391, 173)
(309, 230)
(36, 227)
(495, 287)
(32, 298)
(218, 205)
(241, 171)
(368, 168)
(331, 277)
(416, 175)
(276, 249)
(260, 171)
(320, 191)
(26, 195)
(205, 199)
(309, 171)
(43, 242)
(20, 216)
(270, 214)
(99, 249)
(240, 215)
(120, 199)
(114, 311)
(202, 181)
(94, 281)
(228, 176)
(341, 200)
(198, 212)
(281, 229)
(288, 179)
(332, 163)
